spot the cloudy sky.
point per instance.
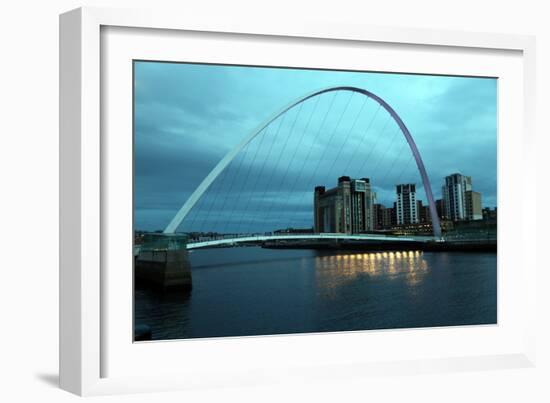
(188, 116)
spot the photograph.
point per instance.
(278, 200)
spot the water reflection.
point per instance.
(256, 291)
(335, 271)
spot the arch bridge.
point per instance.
(226, 160)
(305, 237)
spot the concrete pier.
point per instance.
(163, 262)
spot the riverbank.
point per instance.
(447, 246)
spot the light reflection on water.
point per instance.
(334, 271)
(255, 291)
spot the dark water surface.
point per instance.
(255, 291)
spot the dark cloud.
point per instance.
(187, 117)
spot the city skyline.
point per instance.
(442, 194)
(351, 207)
(181, 109)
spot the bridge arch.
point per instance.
(218, 169)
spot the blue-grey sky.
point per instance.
(188, 116)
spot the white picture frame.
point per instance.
(85, 306)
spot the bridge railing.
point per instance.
(305, 237)
(156, 242)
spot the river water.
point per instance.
(255, 291)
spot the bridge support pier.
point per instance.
(163, 262)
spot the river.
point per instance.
(254, 291)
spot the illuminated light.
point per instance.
(352, 256)
(392, 267)
(372, 256)
(398, 254)
(385, 254)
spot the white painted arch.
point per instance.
(218, 169)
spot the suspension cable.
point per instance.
(314, 109)
(230, 187)
(363, 139)
(329, 141)
(268, 215)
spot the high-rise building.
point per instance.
(454, 196)
(489, 214)
(384, 217)
(347, 208)
(424, 216)
(378, 215)
(390, 217)
(473, 205)
(440, 207)
(406, 210)
(362, 200)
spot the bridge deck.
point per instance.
(262, 238)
